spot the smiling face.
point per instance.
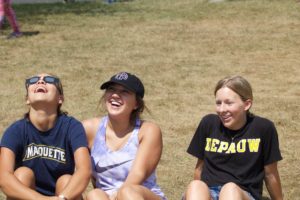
(231, 109)
(119, 101)
(39, 91)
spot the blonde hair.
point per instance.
(238, 84)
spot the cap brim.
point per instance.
(105, 85)
(108, 83)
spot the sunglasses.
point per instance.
(46, 79)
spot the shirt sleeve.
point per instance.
(77, 135)
(12, 139)
(271, 145)
(197, 144)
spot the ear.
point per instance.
(248, 104)
(60, 99)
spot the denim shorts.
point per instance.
(215, 191)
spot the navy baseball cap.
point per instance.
(130, 81)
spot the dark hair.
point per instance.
(59, 87)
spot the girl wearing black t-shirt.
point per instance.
(236, 150)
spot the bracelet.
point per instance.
(62, 197)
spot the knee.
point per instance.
(129, 192)
(26, 176)
(231, 191)
(197, 185)
(62, 182)
(197, 189)
(230, 187)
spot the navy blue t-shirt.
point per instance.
(49, 154)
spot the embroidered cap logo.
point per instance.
(122, 76)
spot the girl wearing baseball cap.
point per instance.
(125, 150)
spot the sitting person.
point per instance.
(125, 150)
(40, 152)
(236, 149)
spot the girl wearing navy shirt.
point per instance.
(40, 152)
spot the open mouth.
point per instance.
(40, 90)
(115, 103)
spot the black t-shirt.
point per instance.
(235, 156)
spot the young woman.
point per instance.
(125, 150)
(6, 10)
(39, 153)
(236, 150)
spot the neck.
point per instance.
(43, 120)
(119, 127)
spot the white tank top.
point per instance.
(111, 168)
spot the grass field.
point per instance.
(180, 49)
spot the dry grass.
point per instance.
(179, 49)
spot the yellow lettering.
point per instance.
(213, 145)
(223, 146)
(253, 144)
(241, 146)
(231, 148)
(208, 144)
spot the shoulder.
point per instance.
(262, 122)
(69, 123)
(91, 126)
(210, 120)
(66, 118)
(149, 129)
(147, 125)
(91, 123)
(211, 117)
(17, 125)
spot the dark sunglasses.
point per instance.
(47, 79)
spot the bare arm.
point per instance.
(272, 181)
(148, 155)
(81, 177)
(90, 127)
(10, 185)
(198, 169)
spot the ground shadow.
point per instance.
(36, 13)
(29, 33)
(87, 8)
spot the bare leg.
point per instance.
(26, 176)
(97, 194)
(136, 192)
(233, 192)
(11, 16)
(62, 182)
(197, 190)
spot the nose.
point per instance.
(41, 80)
(221, 107)
(116, 93)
